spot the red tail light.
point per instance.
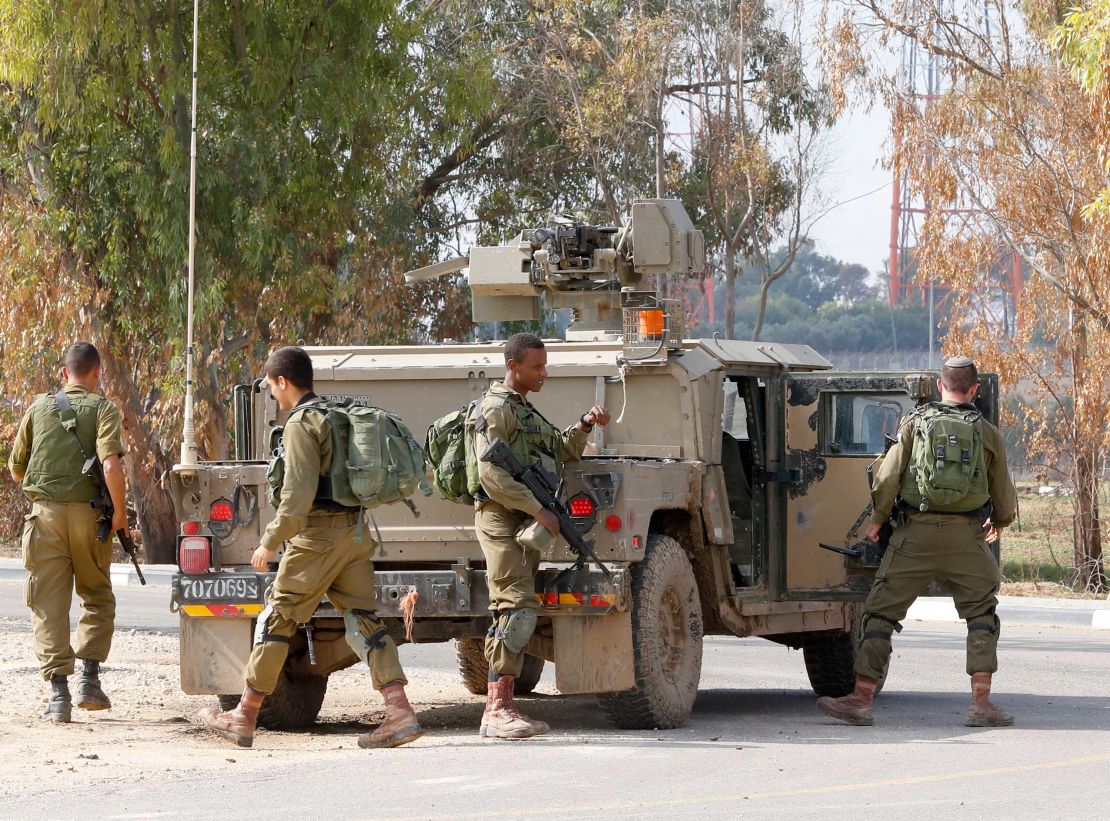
(581, 506)
(190, 528)
(194, 554)
(613, 522)
(221, 511)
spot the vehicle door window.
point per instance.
(857, 423)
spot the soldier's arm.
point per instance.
(302, 478)
(21, 449)
(572, 442)
(501, 423)
(109, 447)
(888, 479)
(999, 484)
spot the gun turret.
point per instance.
(577, 266)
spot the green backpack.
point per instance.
(375, 459)
(447, 449)
(947, 471)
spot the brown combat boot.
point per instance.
(60, 708)
(400, 725)
(982, 713)
(854, 708)
(238, 724)
(501, 719)
(89, 694)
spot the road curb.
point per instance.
(123, 574)
(1083, 613)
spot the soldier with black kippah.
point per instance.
(948, 487)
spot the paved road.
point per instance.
(754, 748)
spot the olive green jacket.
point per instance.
(888, 478)
(532, 439)
(308, 451)
(49, 457)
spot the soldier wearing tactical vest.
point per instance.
(327, 552)
(511, 524)
(56, 436)
(947, 483)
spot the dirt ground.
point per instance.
(149, 731)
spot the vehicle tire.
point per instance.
(666, 641)
(831, 664)
(295, 702)
(474, 669)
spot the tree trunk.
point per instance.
(145, 462)
(1090, 569)
(730, 294)
(764, 287)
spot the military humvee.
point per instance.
(726, 464)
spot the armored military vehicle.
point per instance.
(726, 466)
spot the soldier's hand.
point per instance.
(597, 415)
(546, 518)
(262, 557)
(993, 533)
(873, 532)
(119, 522)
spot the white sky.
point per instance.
(857, 188)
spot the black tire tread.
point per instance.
(295, 702)
(474, 669)
(634, 709)
(831, 663)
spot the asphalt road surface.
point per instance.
(755, 747)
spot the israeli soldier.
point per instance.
(940, 532)
(327, 552)
(507, 518)
(56, 436)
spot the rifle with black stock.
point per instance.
(545, 488)
(103, 502)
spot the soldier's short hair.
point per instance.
(517, 346)
(81, 358)
(292, 363)
(959, 374)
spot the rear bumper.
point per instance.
(458, 592)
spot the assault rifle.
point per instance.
(545, 488)
(103, 502)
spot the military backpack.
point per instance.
(375, 459)
(947, 471)
(448, 447)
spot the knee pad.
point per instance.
(358, 641)
(261, 627)
(880, 628)
(518, 629)
(986, 623)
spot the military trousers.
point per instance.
(324, 559)
(510, 576)
(61, 553)
(927, 547)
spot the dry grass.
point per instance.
(1037, 551)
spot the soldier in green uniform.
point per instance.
(937, 536)
(503, 508)
(60, 549)
(327, 552)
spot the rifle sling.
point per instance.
(69, 419)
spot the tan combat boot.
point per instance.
(982, 713)
(89, 694)
(59, 708)
(237, 724)
(501, 719)
(854, 708)
(400, 725)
